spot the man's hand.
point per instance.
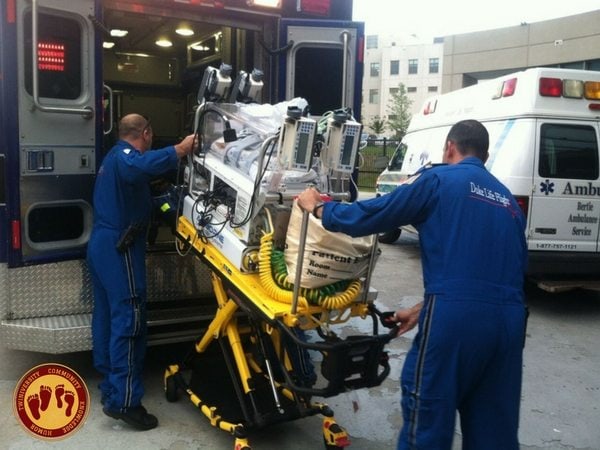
(308, 199)
(407, 318)
(186, 146)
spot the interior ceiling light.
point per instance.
(199, 47)
(265, 3)
(164, 42)
(107, 44)
(184, 31)
(115, 32)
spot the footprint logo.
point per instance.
(39, 402)
(59, 392)
(69, 400)
(51, 401)
(33, 401)
(45, 396)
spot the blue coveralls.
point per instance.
(122, 198)
(467, 354)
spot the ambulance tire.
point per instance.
(389, 237)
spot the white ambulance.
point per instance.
(544, 126)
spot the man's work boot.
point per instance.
(136, 416)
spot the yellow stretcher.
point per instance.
(250, 368)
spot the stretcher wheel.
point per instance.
(334, 436)
(171, 389)
(331, 447)
(241, 444)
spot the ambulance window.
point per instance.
(55, 223)
(313, 65)
(568, 151)
(58, 55)
(397, 157)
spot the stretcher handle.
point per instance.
(337, 386)
(386, 320)
(371, 266)
(301, 245)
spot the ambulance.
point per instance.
(544, 127)
(69, 70)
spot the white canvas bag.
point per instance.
(328, 256)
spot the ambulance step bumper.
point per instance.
(73, 333)
(556, 286)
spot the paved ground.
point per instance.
(561, 388)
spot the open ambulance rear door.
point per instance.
(51, 158)
(323, 64)
(565, 203)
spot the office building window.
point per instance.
(411, 89)
(434, 65)
(593, 64)
(372, 41)
(393, 91)
(375, 69)
(394, 67)
(413, 66)
(373, 96)
(432, 89)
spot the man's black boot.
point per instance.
(136, 416)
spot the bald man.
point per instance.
(116, 258)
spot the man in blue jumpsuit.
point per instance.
(467, 354)
(116, 258)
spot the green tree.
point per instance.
(399, 114)
(377, 125)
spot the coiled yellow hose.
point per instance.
(315, 296)
(344, 299)
(339, 301)
(264, 272)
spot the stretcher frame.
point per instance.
(248, 323)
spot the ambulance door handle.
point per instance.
(87, 112)
(345, 36)
(110, 109)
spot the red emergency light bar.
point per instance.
(319, 7)
(51, 57)
(509, 87)
(557, 87)
(430, 107)
(551, 87)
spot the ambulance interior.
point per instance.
(161, 81)
(157, 81)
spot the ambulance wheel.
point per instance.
(389, 237)
(171, 389)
